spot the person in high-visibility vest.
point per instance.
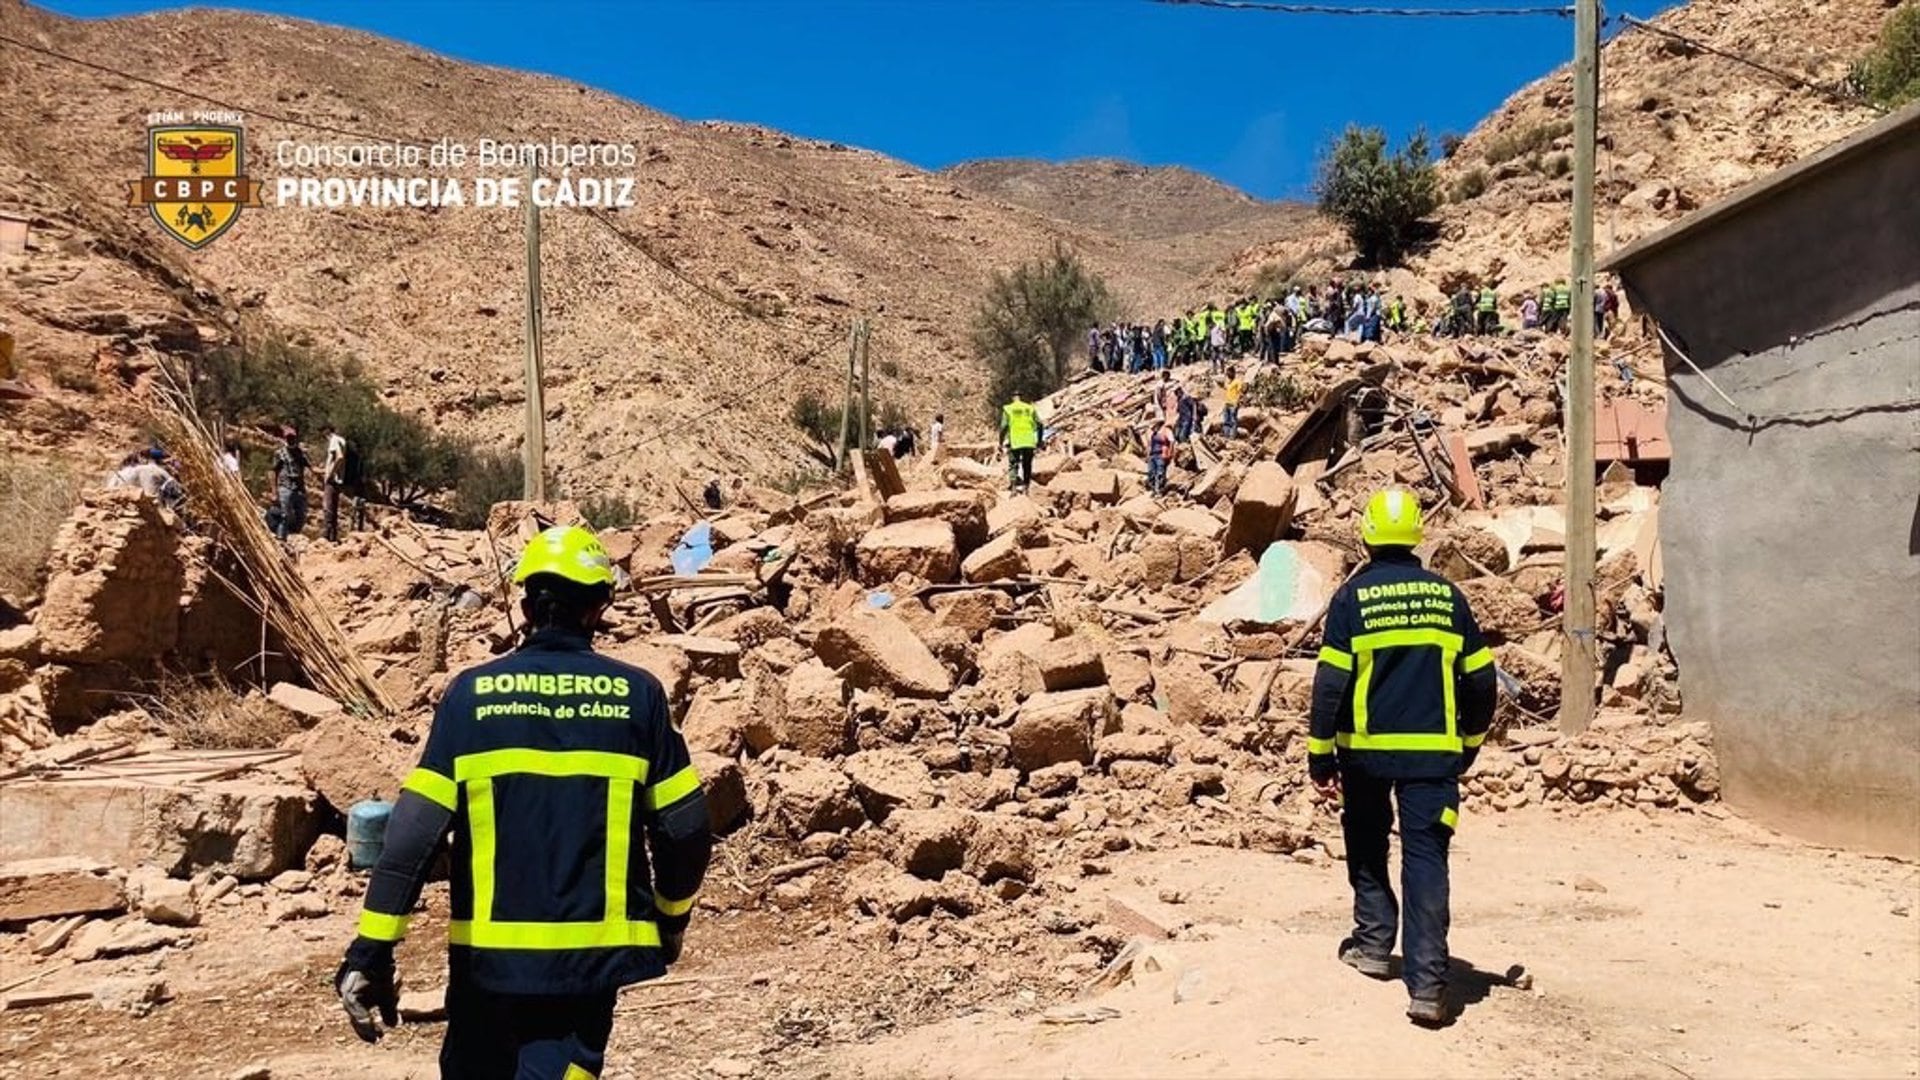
(1020, 433)
(580, 837)
(1487, 310)
(1403, 695)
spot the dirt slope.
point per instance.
(811, 233)
(1175, 213)
(1679, 128)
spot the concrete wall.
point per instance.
(1792, 543)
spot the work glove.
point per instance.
(365, 983)
(670, 944)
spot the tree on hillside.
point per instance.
(1033, 322)
(1890, 74)
(1381, 198)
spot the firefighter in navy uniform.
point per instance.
(1402, 698)
(579, 839)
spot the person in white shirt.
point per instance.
(144, 471)
(333, 476)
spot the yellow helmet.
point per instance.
(1392, 519)
(567, 551)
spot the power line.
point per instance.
(1788, 77)
(1386, 12)
(599, 217)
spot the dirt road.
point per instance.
(1713, 951)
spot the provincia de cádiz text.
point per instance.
(396, 174)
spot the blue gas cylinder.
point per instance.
(367, 832)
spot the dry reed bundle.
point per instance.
(226, 512)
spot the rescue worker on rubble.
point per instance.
(580, 838)
(1402, 699)
(1020, 433)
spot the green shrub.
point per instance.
(486, 476)
(610, 512)
(402, 460)
(1889, 75)
(1033, 322)
(1380, 198)
(1508, 145)
(1468, 185)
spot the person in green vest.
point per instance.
(1020, 433)
(1487, 310)
(1559, 306)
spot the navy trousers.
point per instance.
(521, 1037)
(1428, 812)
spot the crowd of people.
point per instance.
(1357, 310)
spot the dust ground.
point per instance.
(1714, 950)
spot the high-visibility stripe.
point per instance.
(480, 835)
(431, 785)
(672, 907)
(1395, 639)
(1437, 742)
(575, 1072)
(619, 837)
(494, 763)
(607, 934)
(1474, 740)
(673, 789)
(1364, 646)
(1449, 817)
(1474, 661)
(1335, 658)
(379, 926)
(1320, 746)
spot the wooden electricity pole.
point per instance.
(866, 389)
(534, 465)
(1577, 652)
(846, 399)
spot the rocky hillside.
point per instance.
(1176, 213)
(808, 235)
(1679, 128)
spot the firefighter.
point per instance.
(580, 837)
(1402, 698)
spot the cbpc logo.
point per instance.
(196, 182)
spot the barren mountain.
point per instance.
(651, 375)
(1679, 127)
(1176, 213)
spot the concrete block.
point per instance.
(50, 888)
(252, 829)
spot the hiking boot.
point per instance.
(1428, 1011)
(1372, 965)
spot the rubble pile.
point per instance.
(929, 698)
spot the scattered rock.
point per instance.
(876, 650)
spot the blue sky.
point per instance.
(1247, 96)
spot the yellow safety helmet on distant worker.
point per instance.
(566, 551)
(1392, 519)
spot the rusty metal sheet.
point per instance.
(1624, 429)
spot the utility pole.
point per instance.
(1577, 652)
(534, 464)
(866, 389)
(846, 399)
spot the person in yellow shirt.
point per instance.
(1230, 416)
